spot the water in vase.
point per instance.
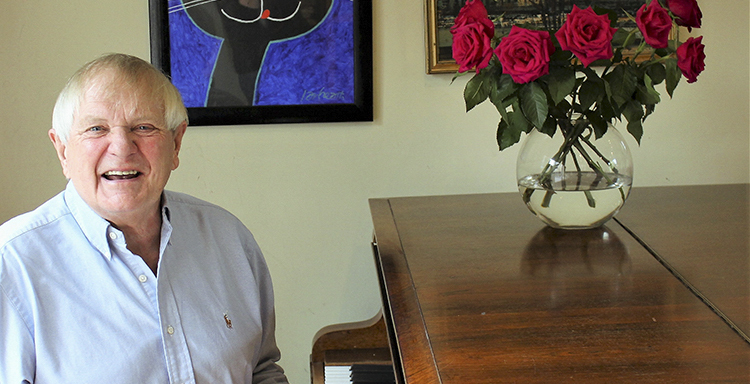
(575, 200)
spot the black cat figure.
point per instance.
(247, 27)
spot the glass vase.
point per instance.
(574, 180)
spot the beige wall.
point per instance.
(303, 189)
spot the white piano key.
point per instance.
(337, 374)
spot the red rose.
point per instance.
(472, 12)
(655, 24)
(525, 54)
(587, 35)
(687, 11)
(471, 47)
(691, 58)
(472, 32)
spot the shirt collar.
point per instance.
(95, 227)
(166, 224)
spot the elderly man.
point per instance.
(116, 280)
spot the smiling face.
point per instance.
(119, 153)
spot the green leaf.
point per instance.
(600, 125)
(560, 57)
(507, 136)
(476, 90)
(634, 113)
(606, 11)
(656, 72)
(673, 75)
(562, 81)
(560, 111)
(617, 57)
(646, 94)
(534, 103)
(590, 92)
(605, 107)
(590, 73)
(635, 128)
(622, 82)
(518, 121)
(649, 110)
(549, 127)
(620, 37)
(601, 63)
(503, 107)
(501, 89)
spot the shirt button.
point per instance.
(170, 330)
(142, 278)
(112, 235)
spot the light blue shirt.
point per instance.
(76, 306)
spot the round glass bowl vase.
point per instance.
(576, 182)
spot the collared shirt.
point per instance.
(76, 306)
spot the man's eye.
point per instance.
(95, 129)
(144, 128)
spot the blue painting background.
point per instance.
(315, 68)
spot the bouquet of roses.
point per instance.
(545, 81)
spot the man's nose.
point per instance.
(122, 142)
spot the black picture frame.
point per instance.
(361, 109)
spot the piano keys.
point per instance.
(360, 374)
(352, 353)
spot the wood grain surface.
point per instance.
(702, 233)
(480, 291)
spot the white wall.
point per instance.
(303, 189)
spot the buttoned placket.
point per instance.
(137, 266)
(179, 365)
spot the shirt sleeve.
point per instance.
(266, 371)
(16, 345)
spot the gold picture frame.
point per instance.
(533, 14)
(436, 63)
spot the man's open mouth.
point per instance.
(121, 175)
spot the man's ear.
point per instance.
(60, 148)
(177, 135)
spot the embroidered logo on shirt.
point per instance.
(228, 320)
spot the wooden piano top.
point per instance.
(477, 290)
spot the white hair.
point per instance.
(128, 70)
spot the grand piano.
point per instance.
(476, 290)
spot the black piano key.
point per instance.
(372, 374)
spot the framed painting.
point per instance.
(266, 61)
(533, 14)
